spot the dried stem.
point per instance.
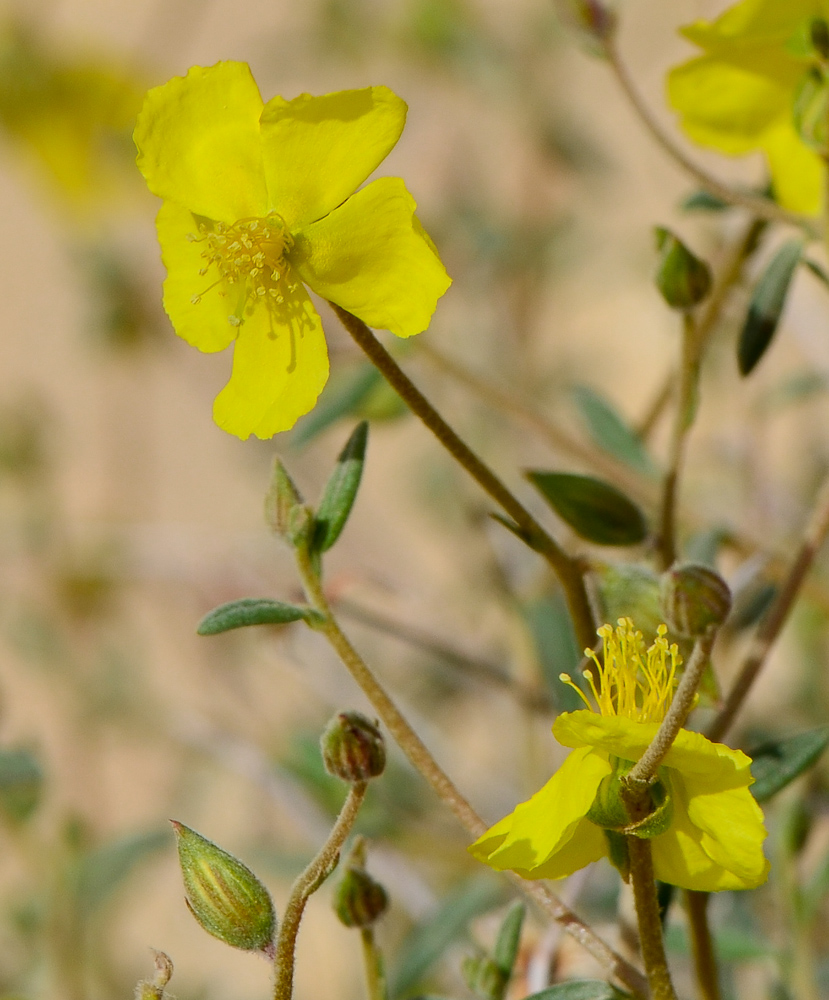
(568, 570)
(763, 208)
(776, 615)
(428, 767)
(304, 887)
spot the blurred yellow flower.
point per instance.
(257, 201)
(740, 95)
(706, 829)
(71, 116)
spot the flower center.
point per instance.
(249, 258)
(634, 682)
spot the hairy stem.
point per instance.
(373, 964)
(568, 570)
(304, 887)
(763, 208)
(776, 616)
(702, 945)
(423, 761)
(647, 916)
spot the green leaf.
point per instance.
(345, 393)
(581, 989)
(767, 305)
(775, 764)
(594, 509)
(556, 647)
(21, 783)
(610, 432)
(509, 937)
(341, 490)
(252, 611)
(703, 201)
(816, 270)
(428, 941)
(514, 529)
(102, 871)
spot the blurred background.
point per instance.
(126, 514)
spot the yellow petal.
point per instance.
(280, 365)
(798, 173)
(198, 142)
(757, 19)
(319, 149)
(537, 829)
(205, 324)
(371, 257)
(586, 845)
(724, 107)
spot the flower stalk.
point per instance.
(566, 568)
(647, 917)
(306, 885)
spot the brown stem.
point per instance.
(304, 887)
(775, 617)
(566, 569)
(647, 916)
(763, 208)
(423, 761)
(702, 945)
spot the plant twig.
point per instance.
(647, 916)
(763, 208)
(373, 964)
(702, 945)
(307, 884)
(776, 616)
(423, 761)
(567, 569)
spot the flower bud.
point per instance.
(683, 279)
(224, 895)
(153, 989)
(358, 900)
(353, 747)
(694, 597)
(280, 500)
(483, 977)
(594, 19)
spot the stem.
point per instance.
(307, 884)
(776, 615)
(566, 569)
(647, 915)
(683, 701)
(372, 961)
(422, 760)
(763, 208)
(685, 410)
(702, 945)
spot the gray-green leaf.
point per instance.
(341, 490)
(775, 764)
(581, 989)
(593, 508)
(766, 305)
(251, 611)
(509, 936)
(610, 432)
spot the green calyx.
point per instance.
(609, 811)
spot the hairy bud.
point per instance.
(358, 900)
(683, 279)
(353, 747)
(694, 597)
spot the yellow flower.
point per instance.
(740, 95)
(706, 829)
(257, 201)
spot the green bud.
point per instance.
(594, 19)
(153, 989)
(694, 597)
(683, 279)
(353, 747)
(610, 812)
(483, 976)
(224, 895)
(628, 590)
(358, 900)
(280, 500)
(811, 107)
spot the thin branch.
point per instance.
(567, 569)
(647, 916)
(763, 208)
(423, 761)
(531, 698)
(776, 615)
(702, 945)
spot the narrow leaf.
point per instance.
(342, 396)
(251, 611)
(21, 783)
(594, 509)
(581, 989)
(818, 271)
(101, 872)
(341, 490)
(766, 306)
(775, 764)
(509, 936)
(610, 432)
(512, 527)
(703, 201)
